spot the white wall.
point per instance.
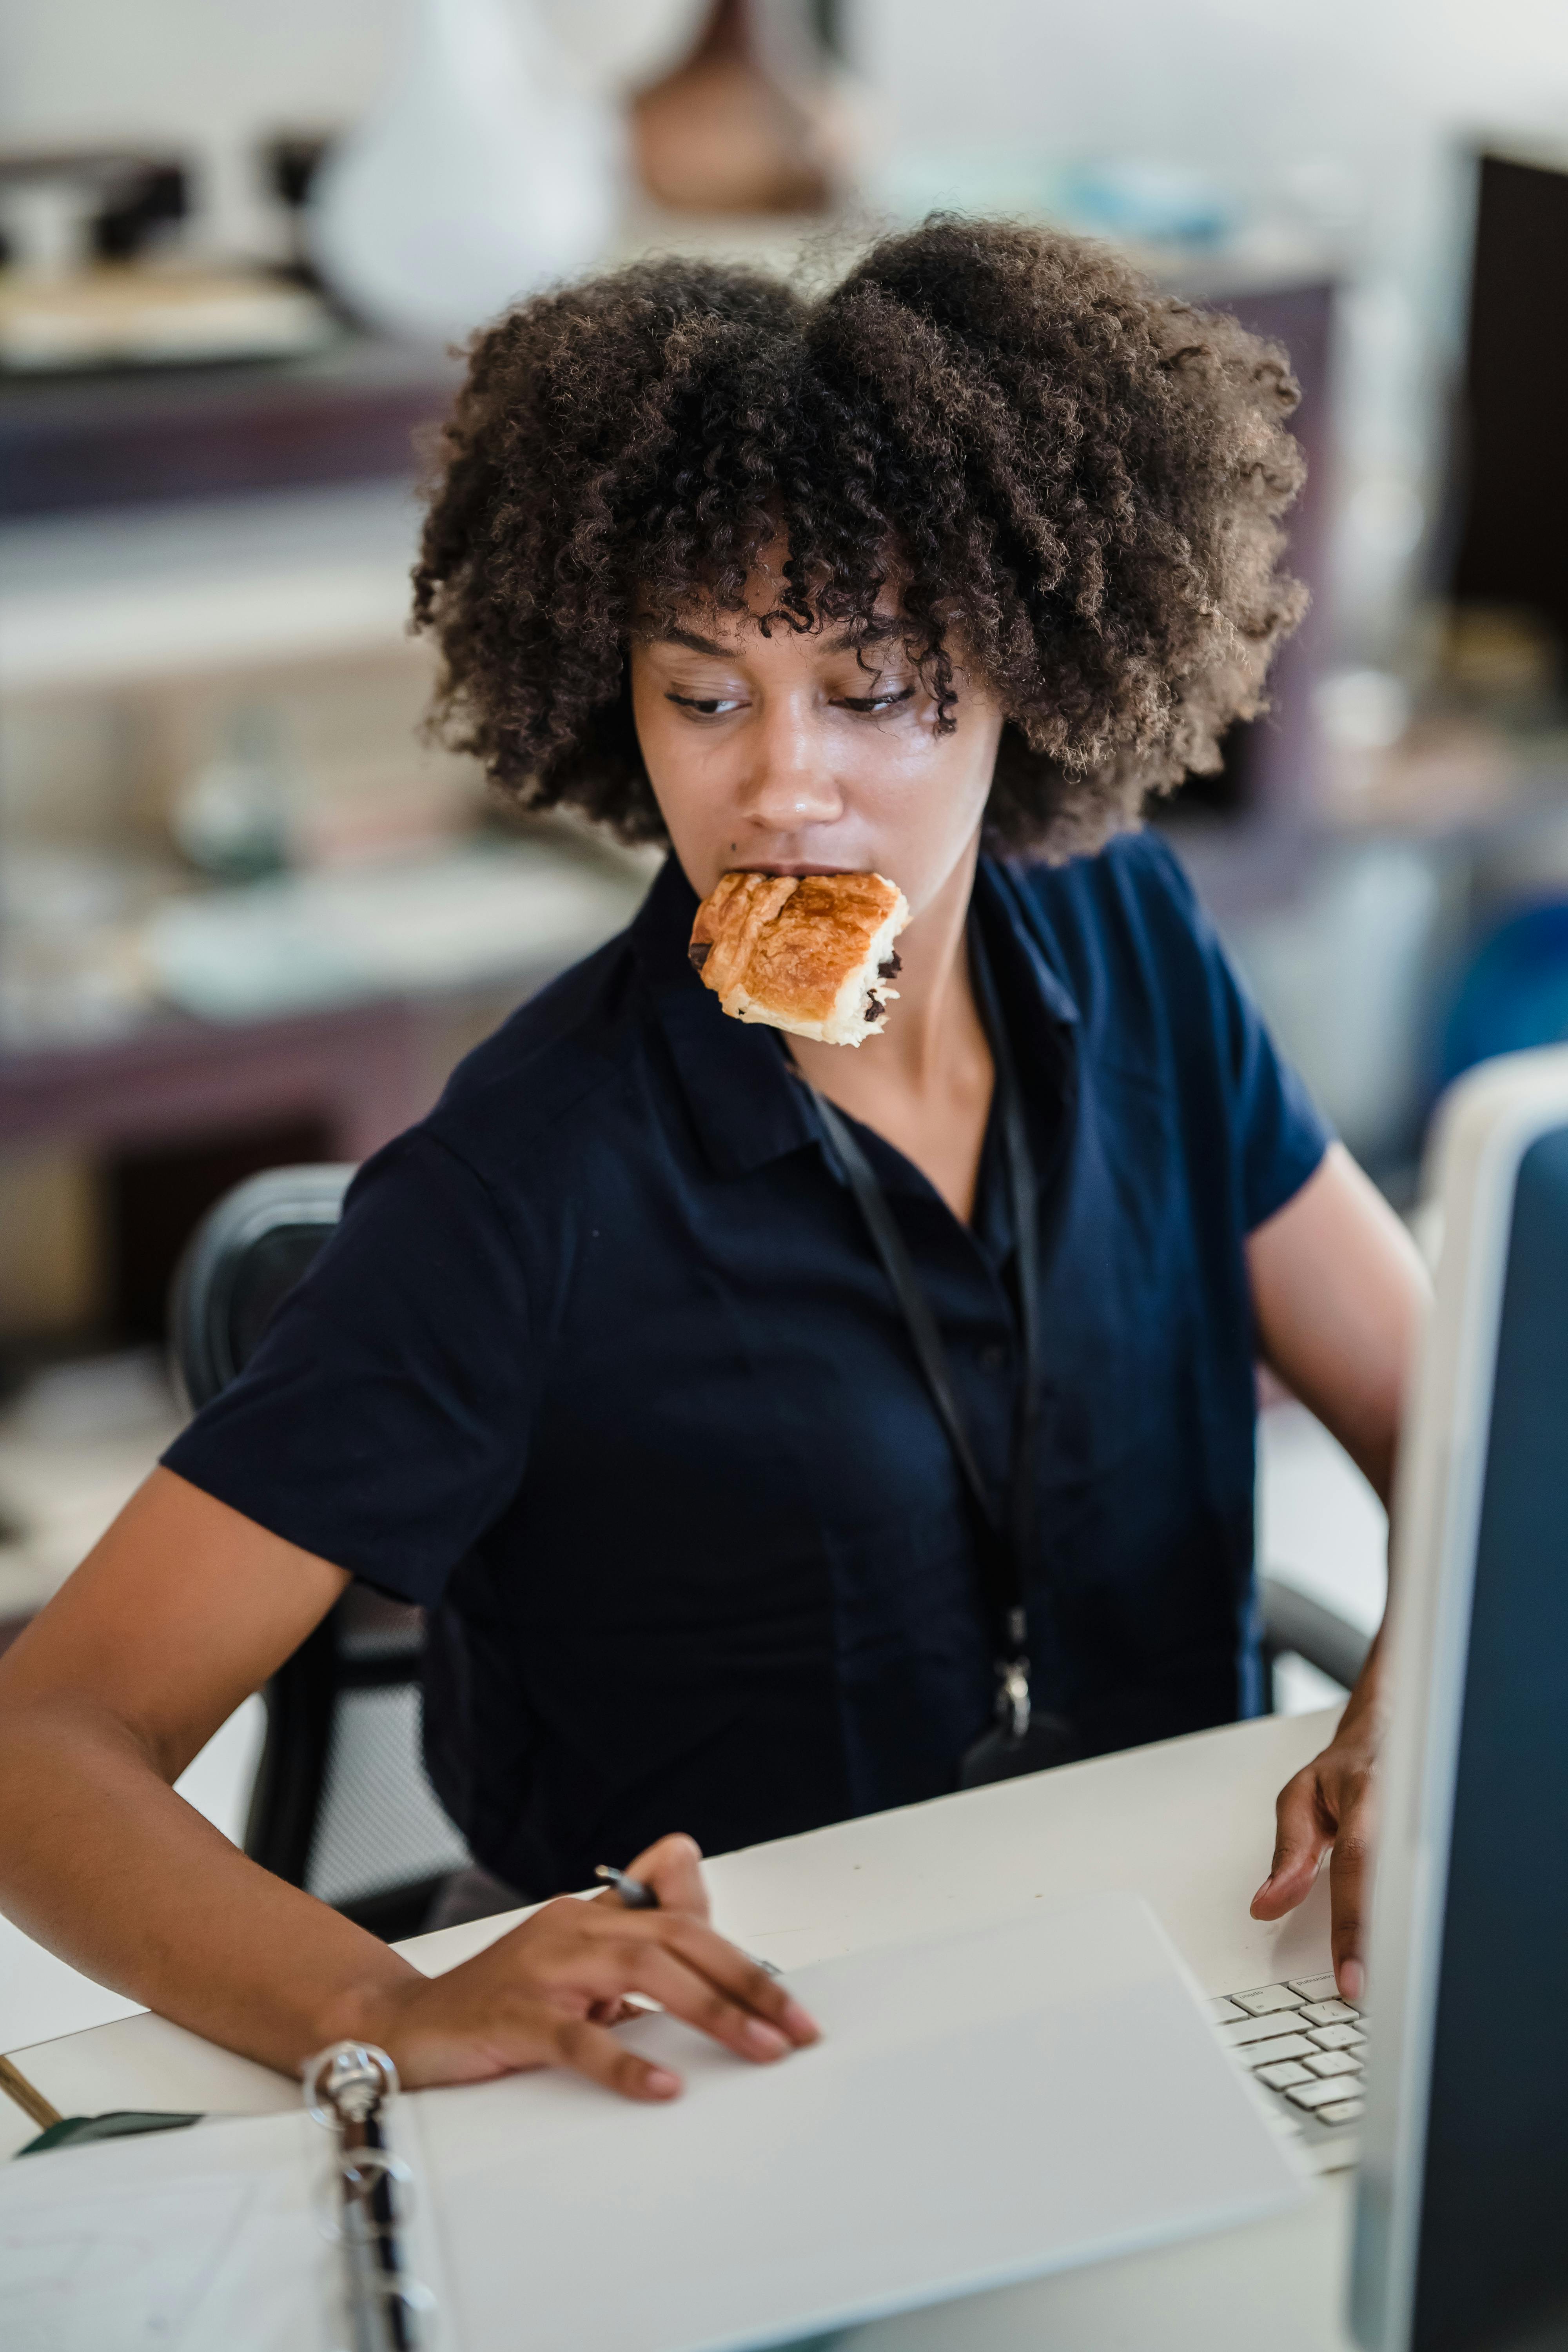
(1352, 110)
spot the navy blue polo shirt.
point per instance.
(601, 1367)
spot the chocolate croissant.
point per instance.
(811, 954)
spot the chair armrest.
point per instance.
(1292, 1619)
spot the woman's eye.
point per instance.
(705, 705)
(874, 702)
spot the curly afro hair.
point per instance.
(1075, 483)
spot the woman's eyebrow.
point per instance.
(874, 632)
(694, 644)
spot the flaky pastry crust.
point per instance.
(811, 954)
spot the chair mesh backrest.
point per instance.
(343, 1806)
(379, 1826)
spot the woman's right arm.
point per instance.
(182, 1610)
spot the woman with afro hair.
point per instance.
(776, 1431)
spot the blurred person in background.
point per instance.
(937, 576)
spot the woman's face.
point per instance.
(782, 753)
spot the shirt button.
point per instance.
(992, 1356)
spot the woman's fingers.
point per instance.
(1347, 1881)
(673, 1868)
(603, 1952)
(548, 1992)
(687, 1993)
(743, 1980)
(1302, 1833)
(698, 1976)
(1350, 1879)
(593, 2050)
(1327, 1804)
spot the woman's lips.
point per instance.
(798, 870)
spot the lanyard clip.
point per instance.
(1013, 1705)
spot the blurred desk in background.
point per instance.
(148, 1066)
(140, 436)
(362, 1070)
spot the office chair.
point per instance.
(341, 1805)
(1294, 1621)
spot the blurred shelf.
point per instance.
(139, 438)
(174, 1078)
(363, 1072)
(341, 997)
(138, 596)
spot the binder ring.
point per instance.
(347, 2082)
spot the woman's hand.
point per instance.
(1330, 1803)
(547, 1994)
(1339, 1296)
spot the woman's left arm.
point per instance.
(1340, 1293)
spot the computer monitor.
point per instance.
(1511, 459)
(1462, 2209)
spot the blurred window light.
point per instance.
(1386, 515)
(1151, 203)
(1326, 190)
(1363, 709)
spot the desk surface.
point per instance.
(1187, 1824)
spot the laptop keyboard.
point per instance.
(1304, 2047)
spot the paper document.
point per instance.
(982, 2109)
(202, 2241)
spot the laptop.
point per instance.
(1461, 2237)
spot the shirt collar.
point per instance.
(1022, 951)
(747, 1107)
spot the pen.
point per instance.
(638, 1897)
(634, 1892)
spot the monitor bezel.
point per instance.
(1486, 1125)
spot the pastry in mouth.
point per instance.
(808, 953)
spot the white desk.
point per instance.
(1187, 1824)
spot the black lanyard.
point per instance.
(1021, 1740)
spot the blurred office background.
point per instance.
(249, 917)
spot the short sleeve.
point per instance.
(382, 1423)
(1277, 1133)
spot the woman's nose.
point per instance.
(792, 784)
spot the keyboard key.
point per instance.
(1281, 2077)
(1337, 2037)
(1268, 1999)
(1255, 2028)
(1326, 2012)
(1225, 2013)
(1335, 2061)
(1315, 1988)
(1343, 2111)
(1315, 2094)
(1277, 2046)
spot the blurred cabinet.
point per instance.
(69, 446)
